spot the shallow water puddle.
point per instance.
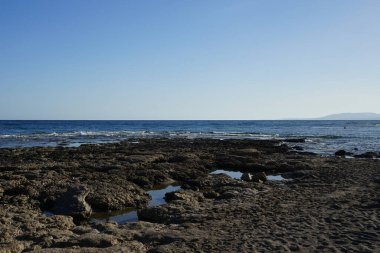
(120, 216)
(158, 194)
(48, 213)
(130, 214)
(233, 174)
(275, 178)
(238, 174)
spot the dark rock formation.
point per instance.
(295, 140)
(340, 153)
(246, 177)
(73, 203)
(116, 194)
(259, 177)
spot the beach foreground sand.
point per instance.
(325, 204)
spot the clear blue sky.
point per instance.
(180, 59)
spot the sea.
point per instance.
(322, 136)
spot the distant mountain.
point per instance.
(352, 116)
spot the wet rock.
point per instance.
(340, 153)
(73, 203)
(296, 140)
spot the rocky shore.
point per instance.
(325, 204)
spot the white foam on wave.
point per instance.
(137, 134)
(5, 136)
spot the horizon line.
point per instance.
(298, 119)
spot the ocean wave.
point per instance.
(166, 134)
(136, 134)
(331, 137)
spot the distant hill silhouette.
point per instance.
(352, 116)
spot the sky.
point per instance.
(181, 59)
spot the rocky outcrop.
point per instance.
(73, 203)
(211, 182)
(116, 195)
(328, 205)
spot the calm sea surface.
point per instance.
(324, 137)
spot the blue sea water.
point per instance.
(324, 137)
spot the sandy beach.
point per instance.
(50, 196)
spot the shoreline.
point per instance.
(330, 203)
(321, 137)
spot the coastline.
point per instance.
(322, 137)
(325, 203)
